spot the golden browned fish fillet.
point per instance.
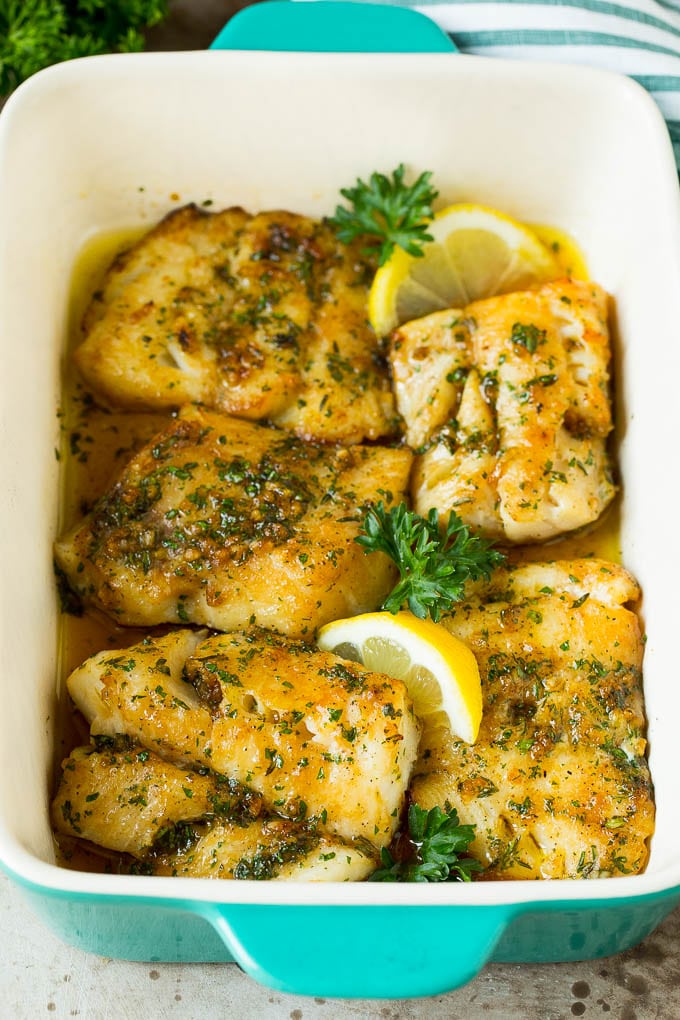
(179, 822)
(257, 316)
(270, 848)
(223, 522)
(557, 783)
(508, 404)
(317, 737)
(126, 798)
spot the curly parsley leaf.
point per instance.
(387, 212)
(438, 840)
(37, 33)
(434, 566)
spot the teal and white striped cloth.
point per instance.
(640, 38)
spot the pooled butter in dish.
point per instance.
(238, 425)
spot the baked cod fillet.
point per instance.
(507, 403)
(178, 822)
(128, 799)
(271, 848)
(317, 737)
(257, 316)
(223, 522)
(557, 783)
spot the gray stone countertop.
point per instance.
(42, 977)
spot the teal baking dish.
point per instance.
(125, 139)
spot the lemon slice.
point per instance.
(439, 671)
(476, 252)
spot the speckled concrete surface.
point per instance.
(39, 976)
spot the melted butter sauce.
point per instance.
(567, 254)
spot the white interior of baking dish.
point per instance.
(113, 141)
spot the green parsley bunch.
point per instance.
(434, 564)
(37, 33)
(438, 842)
(387, 212)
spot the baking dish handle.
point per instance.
(367, 951)
(332, 26)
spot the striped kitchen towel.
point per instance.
(640, 38)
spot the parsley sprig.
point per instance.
(433, 566)
(437, 840)
(387, 212)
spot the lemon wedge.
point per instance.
(476, 252)
(439, 671)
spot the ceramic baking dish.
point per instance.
(116, 141)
